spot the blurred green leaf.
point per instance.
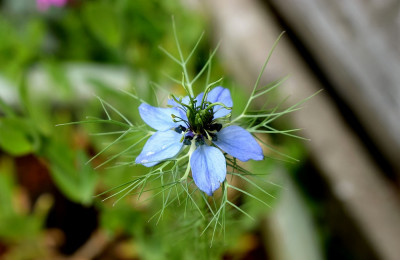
(121, 218)
(14, 225)
(75, 178)
(6, 186)
(19, 44)
(102, 21)
(6, 109)
(14, 136)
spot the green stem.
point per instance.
(259, 78)
(217, 104)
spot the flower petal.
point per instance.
(157, 117)
(199, 98)
(222, 95)
(239, 143)
(160, 146)
(208, 168)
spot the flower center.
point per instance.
(200, 124)
(202, 120)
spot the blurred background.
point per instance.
(339, 201)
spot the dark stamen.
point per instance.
(199, 140)
(188, 140)
(180, 129)
(213, 137)
(215, 127)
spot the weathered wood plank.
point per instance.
(247, 33)
(357, 45)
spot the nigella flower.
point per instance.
(198, 123)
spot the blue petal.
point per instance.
(160, 146)
(239, 143)
(199, 98)
(157, 117)
(208, 168)
(222, 95)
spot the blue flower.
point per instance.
(196, 122)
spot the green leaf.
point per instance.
(75, 178)
(14, 225)
(102, 20)
(15, 136)
(17, 227)
(6, 187)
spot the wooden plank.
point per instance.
(247, 32)
(357, 45)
